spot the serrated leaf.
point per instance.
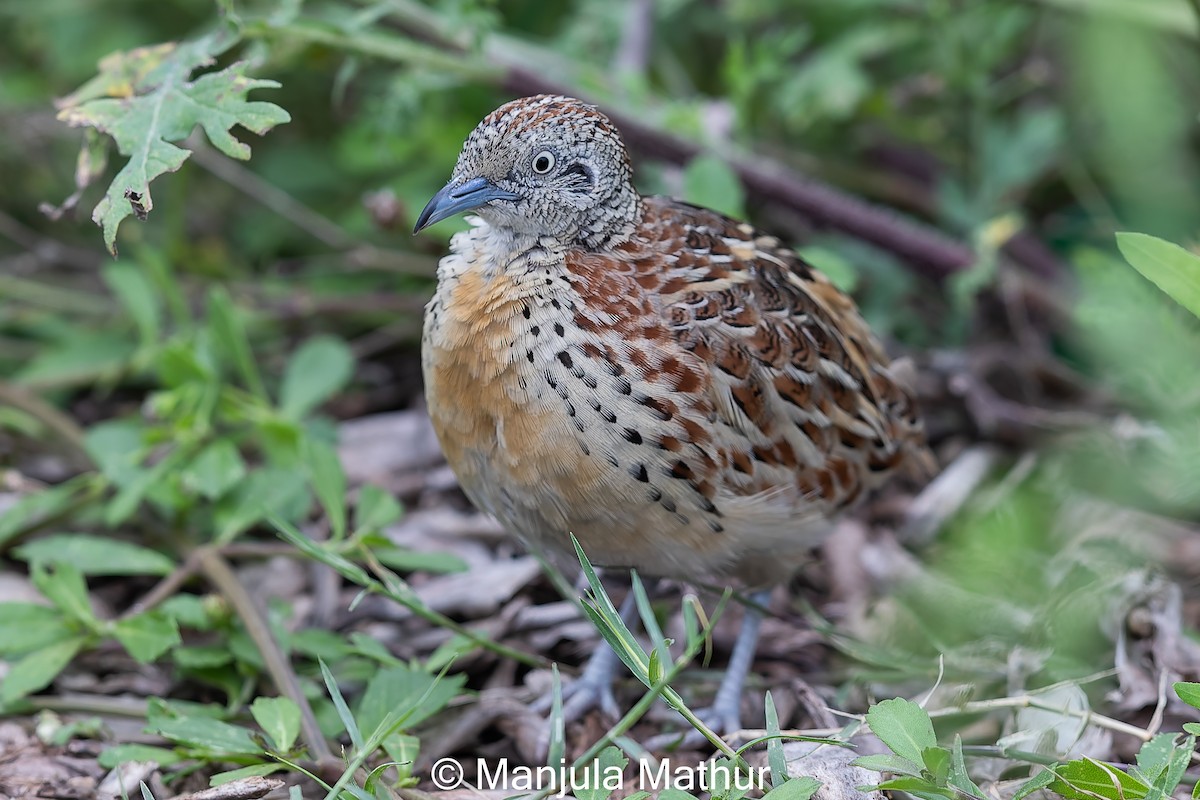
(279, 717)
(315, 372)
(1188, 693)
(799, 788)
(28, 626)
(96, 555)
(903, 726)
(1168, 266)
(215, 470)
(145, 99)
(38, 669)
(147, 636)
(1087, 779)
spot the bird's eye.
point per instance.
(543, 162)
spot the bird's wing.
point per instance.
(797, 380)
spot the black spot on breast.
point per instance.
(536, 330)
(570, 408)
(611, 459)
(668, 504)
(589, 381)
(639, 471)
(632, 436)
(624, 386)
(715, 526)
(558, 328)
(529, 356)
(525, 311)
(554, 302)
(565, 358)
(655, 494)
(656, 406)
(681, 471)
(608, 416)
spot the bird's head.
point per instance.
(544, 166)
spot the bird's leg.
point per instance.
(725, 714)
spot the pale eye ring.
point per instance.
(543, 162)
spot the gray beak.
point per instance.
(452, 199)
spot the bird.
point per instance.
(678, 390)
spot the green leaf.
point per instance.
(137, 294)
(1154, 756)
(28, 626)
(215, 470)
(96, 555)
(710, 182)
(351, 726)
(36, 670)
(1168, 266)
(147, 636)
(1188, 693)
(799, 788)
(229, 334)
(1192, 728)
(63, 585)
(937, 763)
(328, 481)
(209, 735)
(1039, 781)
(316, 371)
(834, 265)
(33, 509)
(776, 758)
(404, 691)
(404, 560)
(123, 753)
(918, 787)
(376, 509)
(201, 656)
(610, 763)
(959, 778)
(903, 726)
(279, 717)
(888, 762)
(252, 771)
(145, 99)
(1087, 779)
(117, 449)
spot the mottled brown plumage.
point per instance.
(681, 392)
